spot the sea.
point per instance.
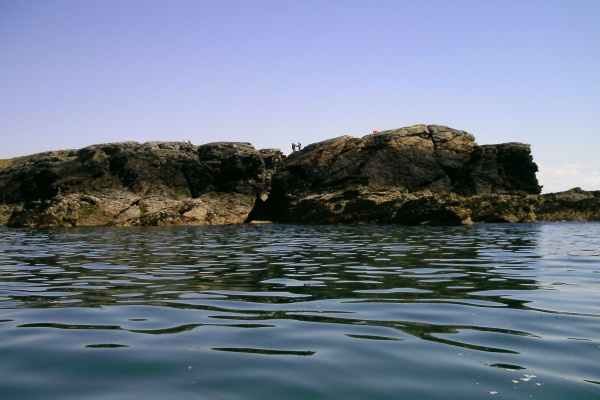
(487, 311)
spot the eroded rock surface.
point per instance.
(420, 174)
(423, 174)
(128, 183)
(570, 205)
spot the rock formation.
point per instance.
(420, 174)
(156, 183)
(571, 205)
(423, 174)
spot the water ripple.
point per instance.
(270, 310)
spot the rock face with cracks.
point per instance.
(423, 174)
(128, 183)
(416, 175)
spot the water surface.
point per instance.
(506, 311)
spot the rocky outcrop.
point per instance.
(571, 205)
(420, 174)
(128, 183)
(423, 174)
(364, 206)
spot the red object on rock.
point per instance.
(375, 131)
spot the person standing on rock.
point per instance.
(299, 146)
(293, 147)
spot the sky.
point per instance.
(272, 72)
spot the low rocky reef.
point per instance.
(423, 174)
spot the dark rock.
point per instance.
(128, 183)
(572, 205)
(424, 174)
(417, 208)
(414, 158)
(417, 168)
(501, 169)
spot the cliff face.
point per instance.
(156, 183)
(409, 175)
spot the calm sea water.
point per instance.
(498, 311)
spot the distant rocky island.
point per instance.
(423, 174)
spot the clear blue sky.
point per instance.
(269, 72)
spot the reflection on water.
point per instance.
(301, 312)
